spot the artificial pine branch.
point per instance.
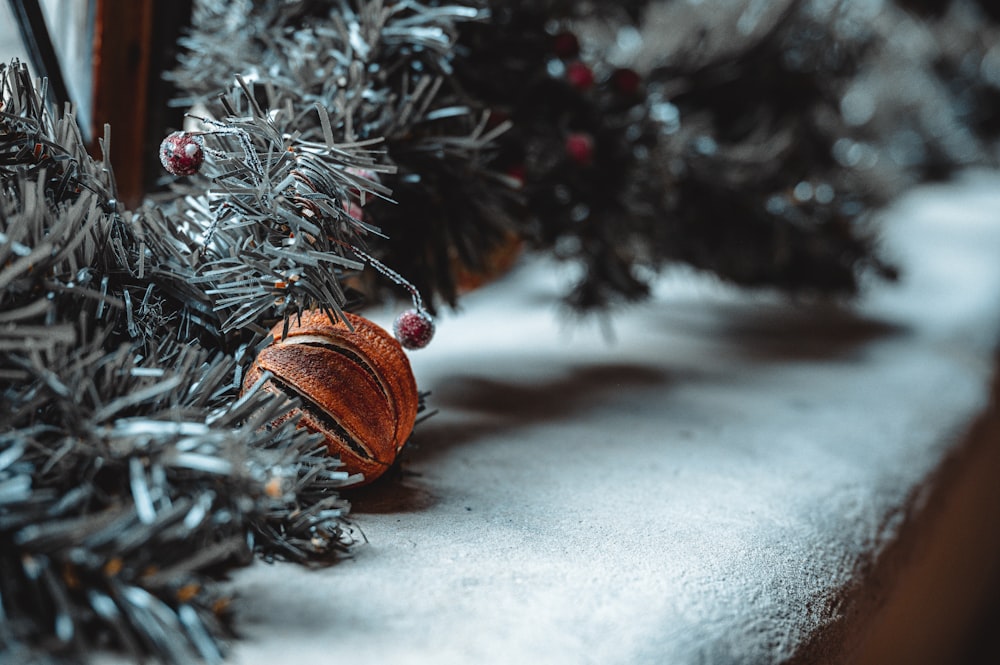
(739, 153)
(277, 236)
(938, 8)
(967, 66)
(581, 141)
(922, 101)
(378, 70)
(122, 512)
(132, 474)
(755, 192)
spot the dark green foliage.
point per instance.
(132, 478)
(756, 192)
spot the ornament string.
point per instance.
(413, 328)
(418, 301)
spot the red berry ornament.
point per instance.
(580, 76)
(181, 154)
(626, 81)
(413, 328)
(566, 45)
(580, 147)
(517, 174)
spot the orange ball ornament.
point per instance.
(497, 262)
(355, 387)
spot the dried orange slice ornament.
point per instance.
(355, 387)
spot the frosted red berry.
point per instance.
(580, 147)
(413, 329)
(181, 154)
(517, 174)
(580, 76)
(566, 45)
(626, 81)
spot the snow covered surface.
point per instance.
(717, 483)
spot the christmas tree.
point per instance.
(364, 149)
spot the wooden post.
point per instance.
(122, 43)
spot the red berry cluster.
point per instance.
(626, 82)
(566, 46)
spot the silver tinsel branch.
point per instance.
(379, 70)
(275, 227)
(133, 475)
